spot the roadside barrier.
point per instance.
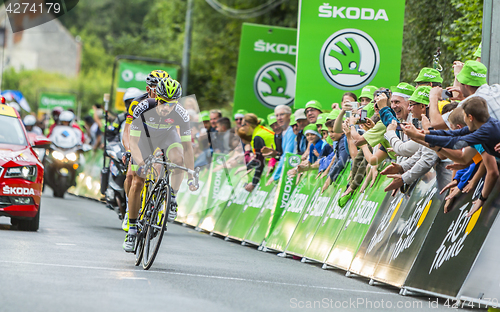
(406, 241)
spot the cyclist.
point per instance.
(159, 123)
(151, 82)
(114, 129)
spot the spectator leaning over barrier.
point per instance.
(400, 94)
(204, 140)
(302, 122)
(260, 137)
(481, 129)
(238, 117)
(223, 144)
(470, 79)
(286, 121)
(424, 158)
(348, 97)
(278, 142)
(312, 110)
(366, 95)
(341, 151)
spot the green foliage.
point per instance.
(156, 29)
(464, 34)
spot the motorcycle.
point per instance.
(114, 191)
(62, 159)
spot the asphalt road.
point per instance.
(75, 262)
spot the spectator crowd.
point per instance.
(400, 131)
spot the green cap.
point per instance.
(205, 116)
(472, 74)
(370, 110)
(404, 88)
(311, 128)
(333, 114)
(429, 75)
(367, 92)
(421, 95)
(271, 118)
(240, 113)
(314, 104)
(292, 120)
(321, 119)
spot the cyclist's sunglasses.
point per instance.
(167, 102)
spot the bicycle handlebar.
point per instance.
(195, 173)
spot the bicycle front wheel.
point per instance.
(157, 223)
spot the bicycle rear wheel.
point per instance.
(156, 225)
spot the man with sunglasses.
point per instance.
(163, 127)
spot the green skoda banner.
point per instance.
(48, 101)
(265, 76)
(364, 209)
(346, 46)
(332, 222)
(134, 75)
(310, 221)
(251, 210)
(299, 200)
(262, 224)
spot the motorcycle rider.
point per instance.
(66, 119)
(30, 125)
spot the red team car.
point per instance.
(21, 172)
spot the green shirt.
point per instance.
(375, 136)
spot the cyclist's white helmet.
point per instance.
(66, 116)
(29, 120)
(131, 94)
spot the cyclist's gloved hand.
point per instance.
(192, 185)
(141, 170)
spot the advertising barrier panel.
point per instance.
(266, 68)
(251, 210)
(360, 218)
(187, 199)
(210, 191)
(228, 182)
(411, 229)
(452, 245)
(262, 224)
(342, 45)
(233, 207)
(332, 222)
(290, 217)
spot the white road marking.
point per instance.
(202, 276)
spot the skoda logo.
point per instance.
(349, 59)
(127, 75)
(294, 161)
(274, 84)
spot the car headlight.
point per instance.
(71, 156)
(58, 155)
(26, 172)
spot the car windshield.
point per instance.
(11, 131)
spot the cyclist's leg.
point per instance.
(134, 204)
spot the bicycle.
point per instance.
(152, 221)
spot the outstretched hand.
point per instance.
(393, 168)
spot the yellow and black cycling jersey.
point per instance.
(133, 106)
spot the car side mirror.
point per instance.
(40, 141)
